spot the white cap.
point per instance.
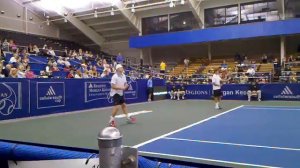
(119, 66)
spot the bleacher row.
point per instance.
(38, 63)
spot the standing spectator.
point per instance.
(5, 45)
(186, 62)
(120, 59)
(163, 67)
(106, 65)
(150, 88)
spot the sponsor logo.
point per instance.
(197, 92)
(286, 93)
(96, 90)
(50, 94)
(234, 92)
(8, 99)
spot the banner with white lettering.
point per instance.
(67, 163)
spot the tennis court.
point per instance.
(254, 133)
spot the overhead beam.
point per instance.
(86, 30)
(106, 22)
(117, 34)
(195, 7)
(112, 29)
(134, 21)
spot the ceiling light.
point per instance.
(132, 8)
(182, 2)
(112, 13)
(48, 22)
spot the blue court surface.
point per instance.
(246, 136)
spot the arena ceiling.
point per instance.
(94, 22)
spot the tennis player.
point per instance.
(217, 93)
(118, 86)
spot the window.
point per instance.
(183, 21)
(259, 11)
(157, 24)
(292, 9)
(221, 16)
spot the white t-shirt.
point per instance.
(251, 71)
(217, 80)
(119, 81)
(12, 60)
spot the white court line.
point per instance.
(267, 108)
(133, 113)
(69, 113)
(206, 159)
(186, 127)
(233, 144)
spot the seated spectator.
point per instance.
(181, 92)
(29, 74)
(21, 71)
(106, 65)
(105, 74)
(254, 91)
(13, 73)
(30, 49)
(54, 68)
(243, 79)
(13, 46)
(224, 66)
(251, 71)
(67, 63)
(14, 59)
(43, 74)
(67, 68)
(94, 72)
(51, 52)
(246, 61)
(71, 74)
(291, 58)
(7, 70)
(60, 61)
(2, 75)
(173, 92)
(36, 50)
(85, 74)
(2, 56)
(78, 74)
(264, 59)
